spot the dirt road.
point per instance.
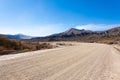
(80, 62)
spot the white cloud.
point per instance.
(42, 30)
(97, 26)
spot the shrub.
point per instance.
(43, 46)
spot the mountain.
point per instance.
(113, 31)
(16, 36)
(72, 33)
(22, 36)
(76, 31)
(83, 35)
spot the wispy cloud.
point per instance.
(97, 26)
(40, 30)
(44, 30)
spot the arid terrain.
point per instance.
(82, 61)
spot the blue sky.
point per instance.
(45, 17)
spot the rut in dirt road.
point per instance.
(81, 62)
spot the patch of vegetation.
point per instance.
(43, 46)
(64, 44)
(6, 44)
(12, 46)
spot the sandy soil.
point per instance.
(81, 62)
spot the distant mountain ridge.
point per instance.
(16, 36)
(72, 33)
(75, 35)
(114, 31)
(76, 31)
(83, 35)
